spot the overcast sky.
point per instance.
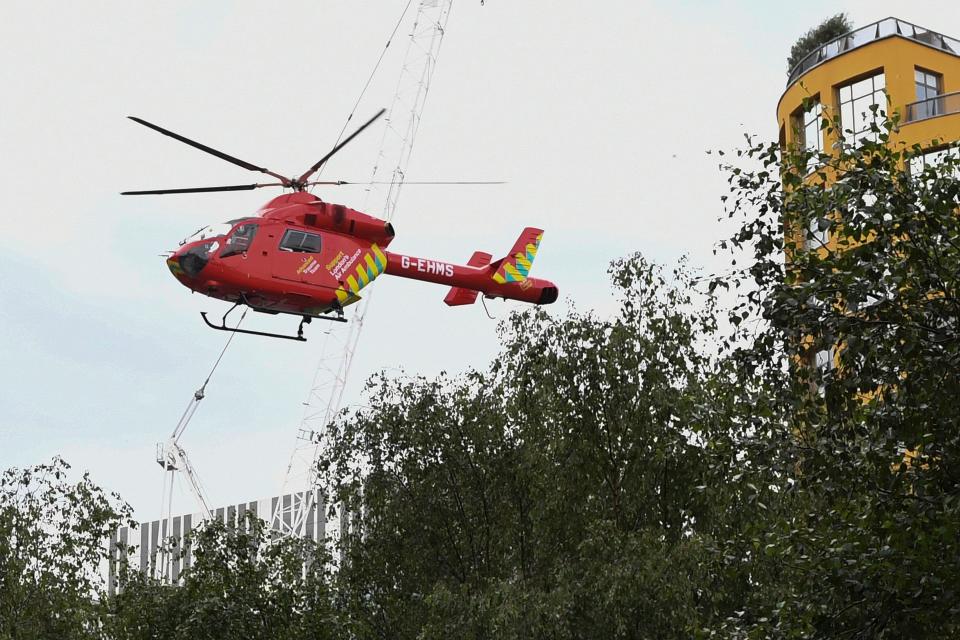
(598, 114)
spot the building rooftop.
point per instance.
(886, 28)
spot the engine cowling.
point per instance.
(341, 219)
(305, 209)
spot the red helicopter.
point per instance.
(302, 256)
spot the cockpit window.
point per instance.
(300, 241)
(239, 241)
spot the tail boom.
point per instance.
(470, 278)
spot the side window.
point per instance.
(824, 363)
(928, 88)
(934, 158)
(809, 134)
(239, 241)
(857, 103)
(300, 241)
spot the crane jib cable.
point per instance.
(372, 74)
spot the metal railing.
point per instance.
(885, 28)
(932, 107)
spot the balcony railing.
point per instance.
(932, 107)
(872, 32)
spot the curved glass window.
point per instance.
(300, 241)
(239, 241)
(196, 258)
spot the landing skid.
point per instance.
(299, 337)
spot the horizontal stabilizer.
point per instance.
(458, 295)
(479, 259)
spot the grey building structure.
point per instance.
(143, 542)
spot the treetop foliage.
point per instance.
(830, 29)
(52, 534)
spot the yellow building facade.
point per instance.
(898, 66)
(919, 70)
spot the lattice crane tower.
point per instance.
(326, 392)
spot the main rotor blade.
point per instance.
(342, 182)
(235, 187)
(302, 179)
(211, 151)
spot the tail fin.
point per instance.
(516, 265)
(458, 295)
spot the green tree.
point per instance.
(578, 487)
(827, 31)
(52, 544)
(864, 448)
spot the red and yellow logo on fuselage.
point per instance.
(309, 266)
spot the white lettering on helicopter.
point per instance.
(343, 264)
(427, 266)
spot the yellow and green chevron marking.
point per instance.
(174, 267)
(516, 268)
(370, 265)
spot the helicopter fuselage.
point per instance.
(302, 256)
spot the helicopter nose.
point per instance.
(173, 263)
(189, 261)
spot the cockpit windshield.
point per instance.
(211, 231)
(239, 241)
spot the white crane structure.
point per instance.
(326, 391)
(173, 458)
